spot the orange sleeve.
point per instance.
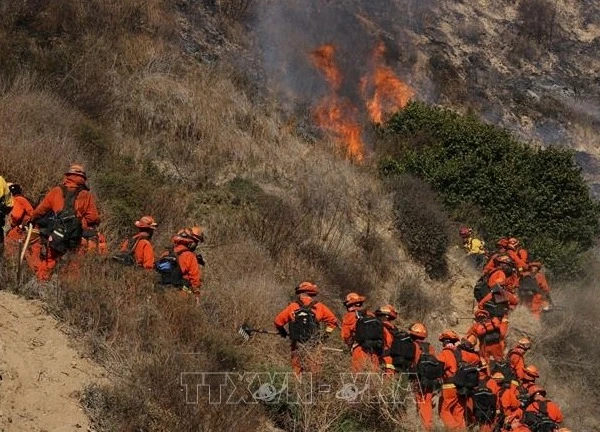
(490, 266)
(509, 401)
(519, 262)
(554, 412)
(513, 300)
(144, 254)
(524, 255)
(87, 210)
(450, 366)
(50, 203)
(324, 314)
(285, 316)
(17, 214)
(542, 282)
(518, 365)
(191, 270)
(497, 278)
(488, 297)
(348, 326)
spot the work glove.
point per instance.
(282, 332)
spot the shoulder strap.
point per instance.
(70, 197)
(458, 356)
(308, 306)
(132, 243)
(543, 408)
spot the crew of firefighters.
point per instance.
(477, 381)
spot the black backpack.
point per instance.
(497, 306)
(63, 229)
(304, 326)
(481, 288)
(127, 257)
(169, 270)
(429, 369)
(402, 351)
(369, 333)
(484, 405)
(467, 375)
(491, 337)
(539, 421)
(528, 287)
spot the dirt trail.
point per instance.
(41, 374)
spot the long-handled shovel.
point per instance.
(246, 332)
(23, 245)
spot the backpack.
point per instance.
(481, 288)
(467, 375)
(528, 287)
(497, 306)
(169, 270)
(539, 421)
(492, 335)
(369, 333)
(304, 326)
(484, 405)
(429, 369)
(63, 229)
(126, 257)
(402, 351)
(522, 396)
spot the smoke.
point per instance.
(288, 31)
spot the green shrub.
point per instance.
(533, 193)
(422, 223)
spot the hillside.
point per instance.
(258, 121)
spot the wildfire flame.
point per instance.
(337, 114)
(383, 93)
(389, 93)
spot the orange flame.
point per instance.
(335, 114)
(389, 93)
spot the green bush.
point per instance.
(517, 189)
(422, 223)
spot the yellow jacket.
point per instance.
(474, 246)
(5, 196)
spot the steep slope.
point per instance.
(42, 375)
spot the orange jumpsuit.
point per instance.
(554, 412)
(53, 202)
(497, 277)
(480, 329)
(388, 338)
(538, 301)
(19, 217)
(304, 360)
(471, 357)
(190, 269)
(362, 361)
(143, 252)
(451, 407)
(495, 389)
(519, 258)
(517, 362)
(509, 399)
(424, 399)
(512, 299)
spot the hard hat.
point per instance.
(502, 242)
(513, 242)
(503, 260)
(449, 335)
(15, 189)
(77, 169)
(418, 330)
(188, 236)
(353, 299)
(498, 376)
(535, 389)
(536, 264)
(524, 343)
(387, 310)
(307, 288)
(482, 313)
(146, 222)
(531, 371)
(465, 231)
(564, 430)
(472, 339)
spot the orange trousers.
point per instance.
(363, 361)
(306, 359)
(424, 406)
(452, 409)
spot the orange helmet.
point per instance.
(564, 430)
(307, 288)
(513, 243)
(536, 389)
(449, 335)
(465, 231)
(524, 343)
(482, 313)
(531, 371)
(418, 330)
(502, 243)
(498, 376)
(77, 169)
(188, 236)
(353, 299)
(472, 339)
(146, 222)
(387, 310)
(503, 260)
